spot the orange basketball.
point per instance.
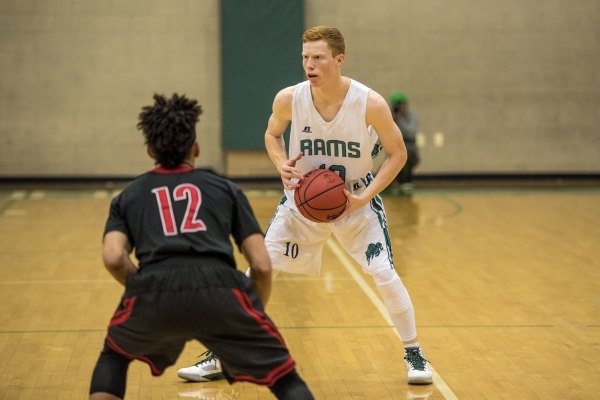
(320, 197)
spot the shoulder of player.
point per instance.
(209, 175)
(284, 96)
(375, 100)
(377, 107)
(196, 176)
(282, 105)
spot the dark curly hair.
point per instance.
(169, 127)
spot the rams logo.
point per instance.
(373, 250)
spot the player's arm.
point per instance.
(254, 250)
(115, 255)
(278, 122)
(379, 116)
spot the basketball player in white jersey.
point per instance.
(336, 124)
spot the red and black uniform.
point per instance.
(180, 221)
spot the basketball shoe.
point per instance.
(416, 366)
(206, 370)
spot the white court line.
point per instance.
(347, 263)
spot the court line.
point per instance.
(347, 263)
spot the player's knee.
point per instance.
(110, 374)
(291, 387)
(394, 294)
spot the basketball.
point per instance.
(320, 197)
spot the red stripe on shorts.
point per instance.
(113, 345)
(259, 316)
(123, 315)
(282, 370)
(288, 366)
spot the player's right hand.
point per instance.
(289, 171)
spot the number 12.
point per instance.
(190, 223)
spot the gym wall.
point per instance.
(74, 76)
(499, 87)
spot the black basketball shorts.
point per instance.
(165, 306)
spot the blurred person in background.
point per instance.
(408, 123)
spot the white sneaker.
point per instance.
(416, 366)
(208, 369)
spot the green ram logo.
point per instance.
(373, 250)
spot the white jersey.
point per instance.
(343, 145)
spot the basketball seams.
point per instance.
(315, 171)
(306, 187)
(321, 196)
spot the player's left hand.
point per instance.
(354, 203)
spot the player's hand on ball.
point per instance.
(354, 203)
(289, 171)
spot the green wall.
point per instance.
(261, 45)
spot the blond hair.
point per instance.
(332, 36)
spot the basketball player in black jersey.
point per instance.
(178, 220)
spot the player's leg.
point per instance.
(291, 387)
(365, 236)
(294, 243)
(258, 354)
(110, 376)
(400, 309)
(209, 367)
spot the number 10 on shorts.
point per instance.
(291, 250)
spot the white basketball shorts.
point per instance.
(295, 244)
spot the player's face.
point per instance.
(318, 62)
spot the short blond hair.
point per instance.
(332, 36)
